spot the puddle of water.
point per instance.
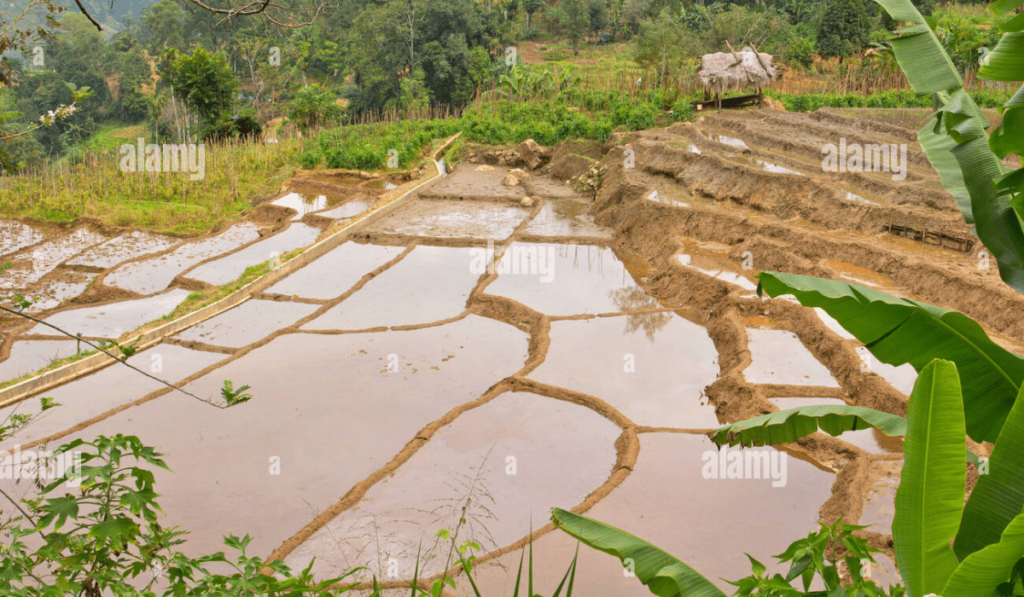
(902, 378)
(28, 356)
(106, 389)
(869, 440)
(325, 408)
(857, 198)
(114, 319)
(349, 209)
(15, 236)
(632, 362)
(429, 284)
(833, 325)
(566, 218)
(381, 183)
(454, 219)
(763, 165)
(52, 293)
(659, 198)
(229, 268)
(742, 281)
(880, 505)
(429, 491)
(780, 358)
(860, 275)
(156, 274)
(123, 248)
(247, 323)
(567, 279)
(721, 519)
(777, 169)
(303, 204)
(337, 271)
(730, 141)
(883, 571)
(30, 267)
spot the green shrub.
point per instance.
(900, 98)
(800, 51)
(682, 110)
(310, 159)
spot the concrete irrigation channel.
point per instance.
(538, 328)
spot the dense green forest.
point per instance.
(175, 70)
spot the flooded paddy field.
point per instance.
(484, 351)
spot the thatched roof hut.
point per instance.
(727, 71)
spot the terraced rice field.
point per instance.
(453, 351)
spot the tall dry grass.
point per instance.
(96, 186)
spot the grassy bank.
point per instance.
(169, 202)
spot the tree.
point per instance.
(531, 6)
(575, 21)
(162, 25)
(203, 80)
(662, 44)
(24, 32)
(446, 33)
(597, 14)
(844, 30)
(415, 95)
(312, 106)
(134, 71)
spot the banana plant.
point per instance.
(968, 159)
(523, 85)
(942, 545)
(899, 331)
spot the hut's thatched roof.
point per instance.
(723, 72)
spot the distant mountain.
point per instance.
(111, 12)
(108, 13)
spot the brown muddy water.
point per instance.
(360, 445)
(472, 355)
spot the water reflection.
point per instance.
(634, 298)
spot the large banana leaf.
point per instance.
(1008, 138)
(930, 71)
(899, 331)
(662, 572)
(919, 51)
(790, 425)
(931, 493)
(1006, 61)
(998, 224)
(982, 571)
(998, 497)
(938, 148)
